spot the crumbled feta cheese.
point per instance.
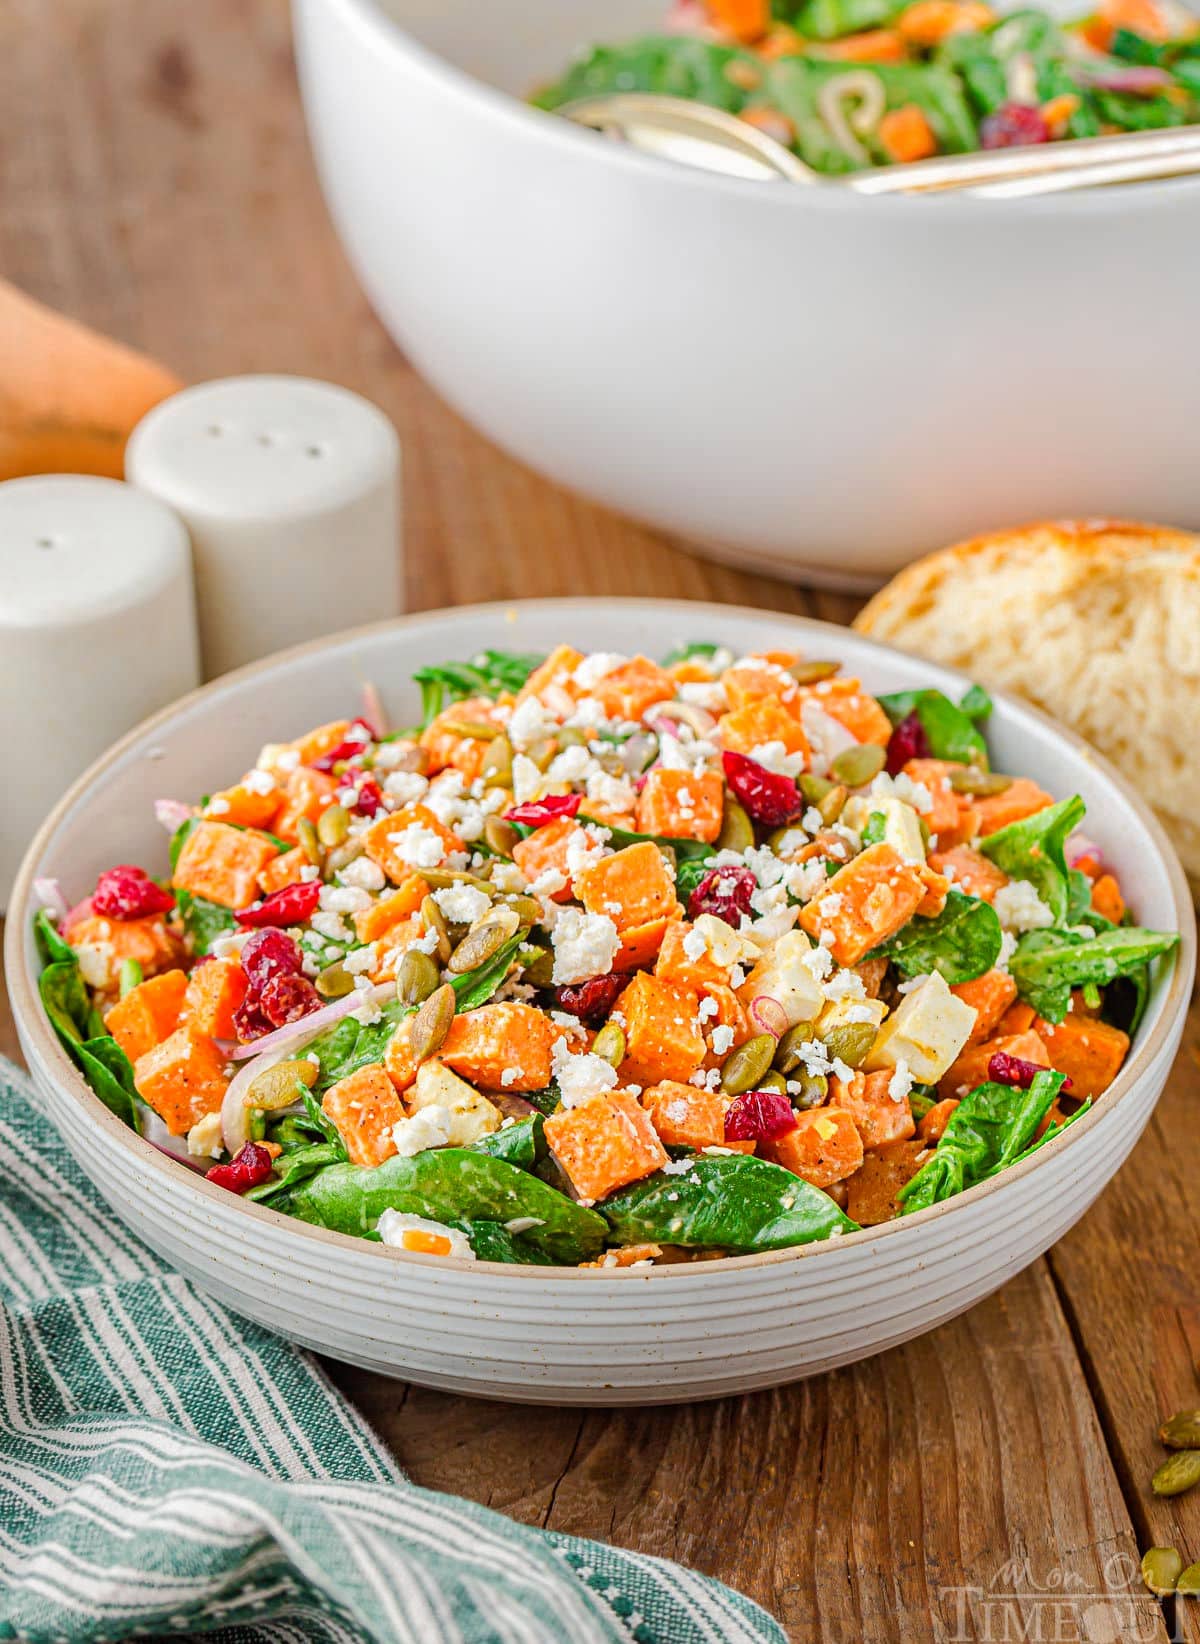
(364, 874)
(344, 899)
(428, 1127)
(361, 960)
(706, 694)
(773, 756)
(529, 723)
(707, 1007)
(548, 882)
(585, 945)
(260, 782)
(580, 1077)
(204, 1138)
(596, 667)
(527, 780)
(507, 877)
(721, 1040)
(418, 845)
(1019, 908)
(462, 904)
(331, 926)
(585, 848)
(901, 1081)
(406, 786)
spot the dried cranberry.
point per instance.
(1013, 125)
(249, 1023)
(267, 953)
(287, 999)
(907, 741)
(771, 799)
(725, 893)
(290, 906)
(1004, 1069)
(537, 812)
(593, 999)
(127, 892)
(249, 1168)
(368, 800)
(356, 739)
(759, 1116)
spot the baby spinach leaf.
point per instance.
(488, 674)
(521, 1144)
(686, 850)
(296, 1167)
(976, 703)
(992, 1125)
(961, 942)
(1055, 1129)
(1047, 964)
(734, 1201)
(688, 875)
(492, 1242)
(950, 731)
(704, 648)
(449, 1184)
(476, 987)
(322, 1123)
(874, 829)
(1032, 849)
(51, 946)
(109, 1071)
(65, 1001)
(202, 920)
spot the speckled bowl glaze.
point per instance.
(571, 1336)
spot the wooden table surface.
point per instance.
(989, 1481)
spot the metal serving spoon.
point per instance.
(709, 138)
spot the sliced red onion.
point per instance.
(172, 813)
(156, 1133)
(1078, 845)
(373, 714)
(668, 716)
(769, 1016)
(299, 1033)
(1138, 79)
(50, 894)
(77, 914)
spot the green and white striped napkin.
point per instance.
(168, 1470)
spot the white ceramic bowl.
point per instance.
(806, 380)
(567, 1335)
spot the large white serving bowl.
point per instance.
(568, 1335)
(809, 381)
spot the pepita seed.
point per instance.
(814, 788)
(571, 736)
(1182, 1432)
(434, 920)
(277, 1086)
(416, 977)
(858, 765)
(538, 967)
(500, 836)
(773, 1081)
(814, 1087)
(497, 764)
(484, 940)
(609, 1044)
(333, 825)
(542, 752)
(432, 1022)
(1178, 1473)
(443, 878)
(787, 1054)
(745, 1066)
(527, 909)
(342, 856)
(808, 673)
(832, 805)
(786, 840)
(1161, 1570)
(1188, 1585)
(310, 842)
(974, 781)
(476, 730)
(737, 830)
(850, 1042)
(335, 981)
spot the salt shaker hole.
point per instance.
(214, 430)
(314, 450)
(44, 542)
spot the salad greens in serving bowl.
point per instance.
(713, 967)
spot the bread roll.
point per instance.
(1095, 621)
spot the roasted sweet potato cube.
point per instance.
(245, 807)
(970, 871)
(675, 964)
(640, 944)
(322, 739)
(104, 944)
(285, 869)
(855, 710)
(764, 720)
(400, 841)
(879, 1116)
(556, 670)
(989, 996)
(182, 1079)
(1020, 799)
(1018, 1018)
(730, 1013)
(754, 678)
(629, 690)
(824, 1148)
(545, 850)
(222, 864)
(605, 1143)
(399, 1059)
(393, 944)
(448, 748)
(392, 909)
(945, 816)
(1107, 899)
(215, 991)
(872, 1190)
(501, 1047)
(685, 1116)
(148, 1014)
(306, 795)
(364, 1106)
(864, 903)
(937, 888)
(681, 804)
(933, 1126)
(633, 886)
(1090, 1052)
(971, 1068)
(662, 1031)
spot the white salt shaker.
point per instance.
(97, 630)
(289, 490)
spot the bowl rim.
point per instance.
(387, 33)
(36, 1027)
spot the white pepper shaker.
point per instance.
(97, 630)
(289, 490)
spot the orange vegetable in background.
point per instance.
(69, 397)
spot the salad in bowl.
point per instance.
(847, 84)
(609, 962)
